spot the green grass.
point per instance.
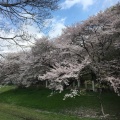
(40, 99)
(5, 116)
(37, 99)
(12, 112)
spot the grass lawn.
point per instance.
(35, 104)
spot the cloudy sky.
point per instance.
(73, 11)
(70, 12)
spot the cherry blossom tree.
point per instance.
(62, 72)
(10, 69)
(15, 68)
(97, 36)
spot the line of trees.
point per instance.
(94, 43)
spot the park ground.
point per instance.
(36, 104)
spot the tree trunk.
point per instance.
(93, 86)
(73, 84)
(85, 85)
(100, 101)
(46, 83)
(78, 83)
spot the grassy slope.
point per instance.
(38, 99)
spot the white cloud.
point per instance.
(69, 3)
(9, 45)
(57, 26)
(33, 30)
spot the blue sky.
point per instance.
(73, 11)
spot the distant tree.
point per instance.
(37, 61)
(10, 69)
